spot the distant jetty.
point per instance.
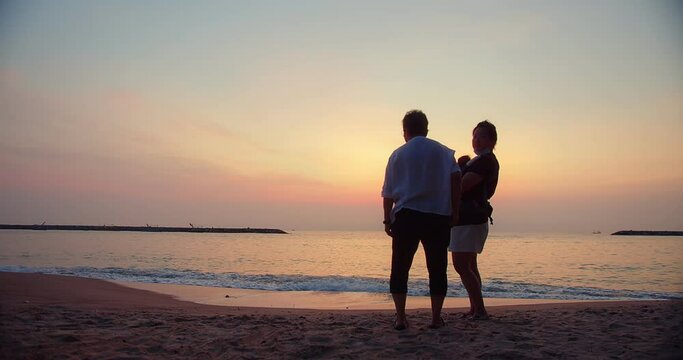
(143, 229)
(648, 233)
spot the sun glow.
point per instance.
(289, 116)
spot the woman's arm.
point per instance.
(470, 180)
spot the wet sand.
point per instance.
(309, 299)
(49, 316)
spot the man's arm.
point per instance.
(456, 190)
(388, 204)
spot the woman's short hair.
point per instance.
(415, 123)
(490, 130)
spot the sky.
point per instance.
(284, 113)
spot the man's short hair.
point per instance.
(415, 123)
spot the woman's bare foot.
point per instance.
(467, 315)
(479, 316)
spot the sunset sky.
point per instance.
(283, 113)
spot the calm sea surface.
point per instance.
(553, 266)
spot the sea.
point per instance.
(513, 265)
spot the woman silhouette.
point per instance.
(479, 181)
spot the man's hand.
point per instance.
(456, 189)
(387, 205)
(455, 217)
(387, 229)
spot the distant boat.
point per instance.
(597, 232)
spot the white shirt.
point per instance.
(418, 177)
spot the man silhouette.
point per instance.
(421, 194)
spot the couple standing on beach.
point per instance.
(431, 198)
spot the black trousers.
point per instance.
(408, 230)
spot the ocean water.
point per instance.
(513, 265)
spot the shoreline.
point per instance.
(53, 316)
(310, 299)
(39, 288)
(316, 300)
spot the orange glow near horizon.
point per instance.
(293, 125)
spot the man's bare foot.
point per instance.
(437, 324)
(400, 323)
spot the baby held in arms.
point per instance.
(463, 160)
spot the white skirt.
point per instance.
(469, 238)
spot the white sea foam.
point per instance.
(541, 266)
(493, 288)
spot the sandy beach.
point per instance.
(49, 316)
